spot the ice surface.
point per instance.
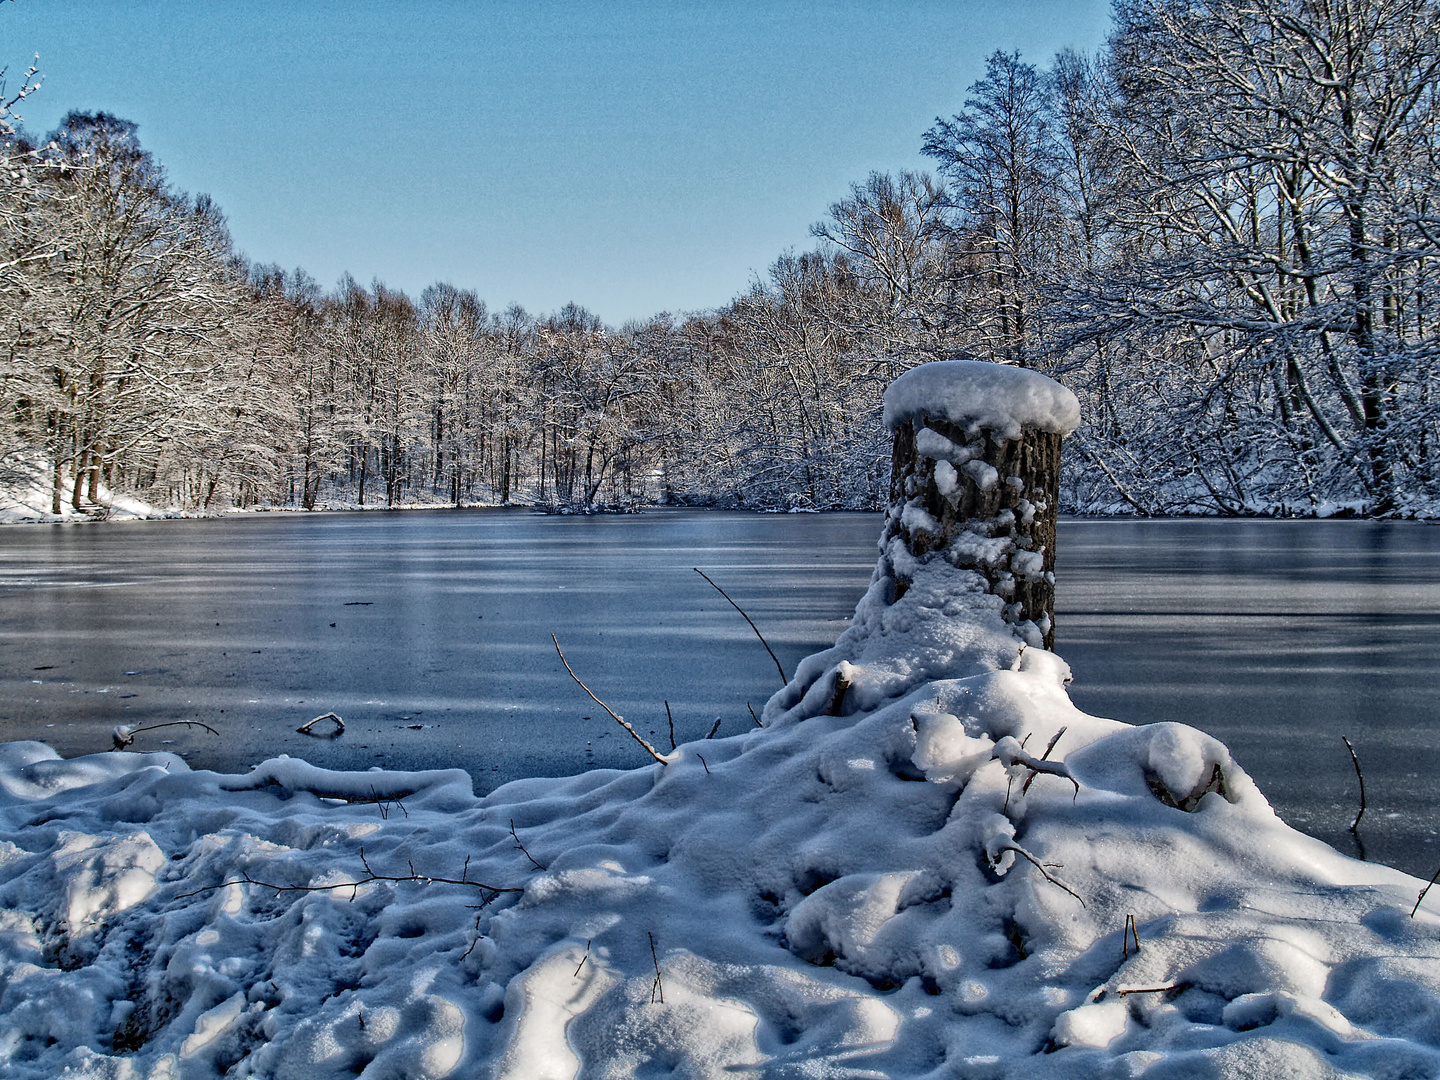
(978, 396)
(937, 882)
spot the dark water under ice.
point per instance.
(429, 632)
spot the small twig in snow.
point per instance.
(521, 846)
(657, 987)
(583, 959)
(370, 876)
(1131, 927)
(1009, 753)
(386, 805)
(1359, 776)
(737, 607)
(672, 726)
(714, 728)
(1044, 872)
(752, 714)
(1153, 989)
(664, 759)
(702, 762)
(1044, 757)
(1422, 894)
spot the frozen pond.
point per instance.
(429, 632)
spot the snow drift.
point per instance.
(962, 876)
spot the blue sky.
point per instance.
(633, 157)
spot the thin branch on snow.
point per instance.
(369, 877)
(664, 759)
(1046, 873)
(737, 607)
(657, 987)
(521, 846)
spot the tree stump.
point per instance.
(976, 477)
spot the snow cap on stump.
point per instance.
(977, 396)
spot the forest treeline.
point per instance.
(1220, 231)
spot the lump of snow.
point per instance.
(978, 396)
(103, 876)
(985, 476)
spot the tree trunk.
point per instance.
(1020, 503)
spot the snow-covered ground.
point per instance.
(963, 876)
(26, 494)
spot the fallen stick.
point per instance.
(737, 607)
(304, 729)
(370, 876)
(664, 759)
(122, 735)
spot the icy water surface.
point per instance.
(429, 632)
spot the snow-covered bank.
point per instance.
(27, 493)
(960, 876)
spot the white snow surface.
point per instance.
(978, 396)
(935, 884)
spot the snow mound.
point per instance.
(960, 875)
(978, 396)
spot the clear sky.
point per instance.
(632, 156)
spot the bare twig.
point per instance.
(664, 759)
(1423, 891)
(1043, 872)
(583, 959)
(304, 729)
(122, 735)
(670, 718)
(1153, 989)
(369, 876)
(752, 714)
(521, 846)
(1045, 756)
(714, 728)
(1359, 776)
(1131, 927)
(737, 607)
(702, 762)
(386, 805)
(657, 987)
